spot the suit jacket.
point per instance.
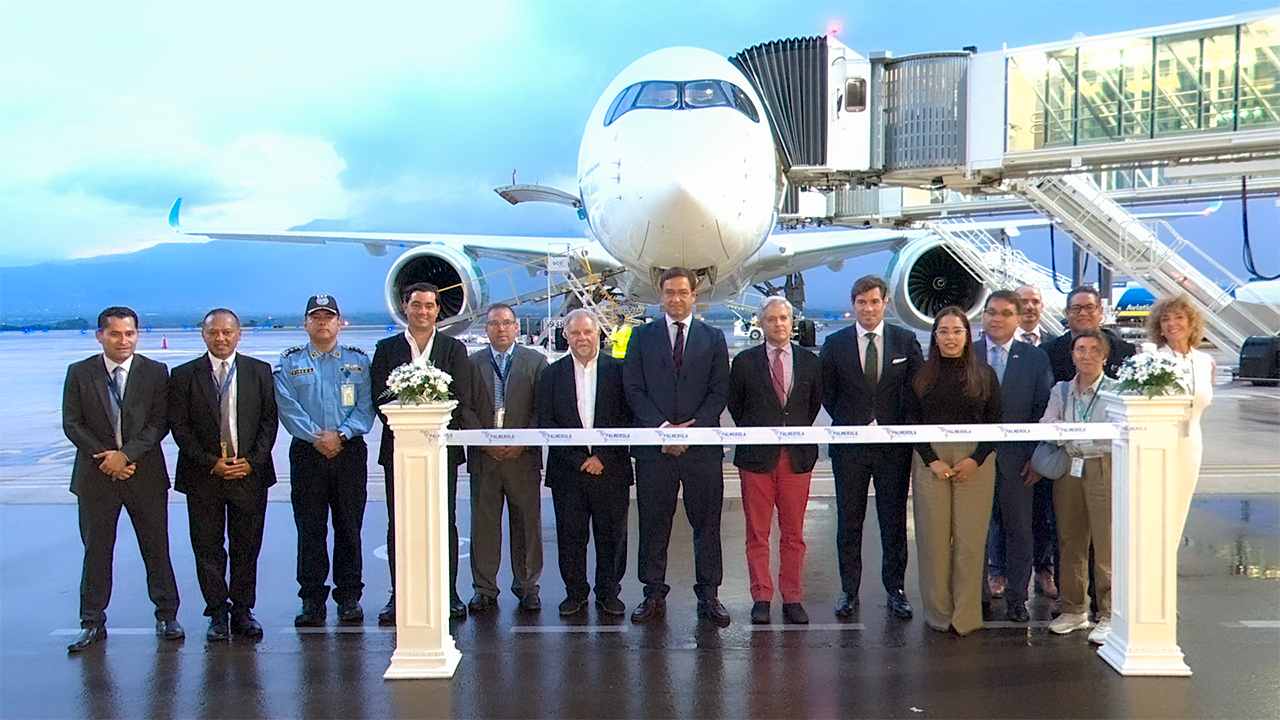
(754, 403)
(558, 408)
(1024, 392)
(448, 354)
(194, 416)
(521, 400)
(86, 421)
(1064, 368)
(846, 394)
(655, 393)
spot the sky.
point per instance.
(383, 116)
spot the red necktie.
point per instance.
(677, 352)
(779, 379)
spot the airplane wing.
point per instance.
(793, 252)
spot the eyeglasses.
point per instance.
(1006, 314)
(1077, 309)
(500, 323)
(1087, 351)
(677, 293)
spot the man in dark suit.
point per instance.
(1029, 330)
(505, 395)
(1084, 312)
(775, 384)
(113, 411)
(677, 375)
(222, 410)
(1044, 530)
(590, 486)
(866, 370)
(421, 343)
(1025, 379)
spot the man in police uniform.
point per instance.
(325, 403)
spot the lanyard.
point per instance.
(1087, 415)
(222, 389)
(499, 372)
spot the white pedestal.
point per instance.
(1145, 535)
(424, 647)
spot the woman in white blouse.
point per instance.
(1176, 327)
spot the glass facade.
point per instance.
(1219, 79)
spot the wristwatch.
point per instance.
(343, 437)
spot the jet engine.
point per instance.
(457, 274)
(925, 277)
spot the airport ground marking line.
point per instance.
(566, 629)
(789, 627)
(1256, 624)
(339, 630)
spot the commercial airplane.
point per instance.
(677, 166)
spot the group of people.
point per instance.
(976, 504)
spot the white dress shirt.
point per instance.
(584, 378)
(231, 392)
(423, 357)
(672, 329)
(1035, 339)
(862, 346)
(124, 381)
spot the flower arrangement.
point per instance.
(415, 384)
(1150, 373)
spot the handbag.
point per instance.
(1050, 460)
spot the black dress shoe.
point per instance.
(899, 605)
(1017, 612)
(714, 611)
(611, 606)
(653, 606)
(572, 606)
(218, 628)
(794, 614)
(244, 624)
(760, 612)
(350, 614)
(481, 602)
(457, 608)
(312, 615)
(847, 605)
(170, 630)
(387, 615)
(87, 637)
(531, 603)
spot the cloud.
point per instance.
(147, 185)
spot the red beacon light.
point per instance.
(834, 27)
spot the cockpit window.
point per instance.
(691, 95)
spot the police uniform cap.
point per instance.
(322, 302)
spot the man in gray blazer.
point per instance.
(505, 380)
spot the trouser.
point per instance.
(789, 492)
(658, 482)
(389, 474)
(592, 505)
(227, 522)
(855, 467)
(951, 520)
(1044, 528)
(1011, 536)
(321, 487)
(99, 517)
(1083, 508)
(519, 484)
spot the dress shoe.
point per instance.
(531, 603)
(898, 604)
(996, 583)
(481, 602)
(760, 613)
(218, 628)
(350, 614)
(457, 608)
(714, 611)
(847, 605)
(1017, 612)
(87, 637)
(988, 614)
(611, 606)
(653, 606)
(572, 606)
(387, 615)
(1045, 584)
(794, 614)
(244, 624)
(313, 615)
(170, 629)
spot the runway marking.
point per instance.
(1254, 624)
(552, 629)
(786, 627)
(1008, 625)
(338, 630)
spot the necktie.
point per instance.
(779, 378)
(871, 363)
(677, 352)
(1029, 337)
(224, 407)
(501, 368)
(117, 399)
(997, 361)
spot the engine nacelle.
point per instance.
(462, 288)
(925, 277)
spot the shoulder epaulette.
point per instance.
(353, 348)
(292, 350)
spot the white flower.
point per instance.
(418, 383)
(1153, 373)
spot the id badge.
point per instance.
(1077, 467)
(348, 395)
(499, 416)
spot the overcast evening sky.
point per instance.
(397, 117)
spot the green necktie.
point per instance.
(871, 365)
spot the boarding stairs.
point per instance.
(1132, 247)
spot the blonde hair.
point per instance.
(1178, 303)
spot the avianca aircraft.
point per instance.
(677, 167)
